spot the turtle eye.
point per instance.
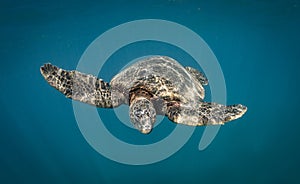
(138, 113)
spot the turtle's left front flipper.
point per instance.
(79, 86)
(205, 114)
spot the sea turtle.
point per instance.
(158, 85)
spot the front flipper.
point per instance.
(197, 75)
(78, 86)
(205, 114)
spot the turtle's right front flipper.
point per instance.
(79, 86)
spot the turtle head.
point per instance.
(142, 114)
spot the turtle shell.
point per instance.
(162, 77)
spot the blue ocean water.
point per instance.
(256, 43)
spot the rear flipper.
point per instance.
(197, 75)
(205, 114)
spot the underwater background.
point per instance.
(257, 46)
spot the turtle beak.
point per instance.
(146, 129)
